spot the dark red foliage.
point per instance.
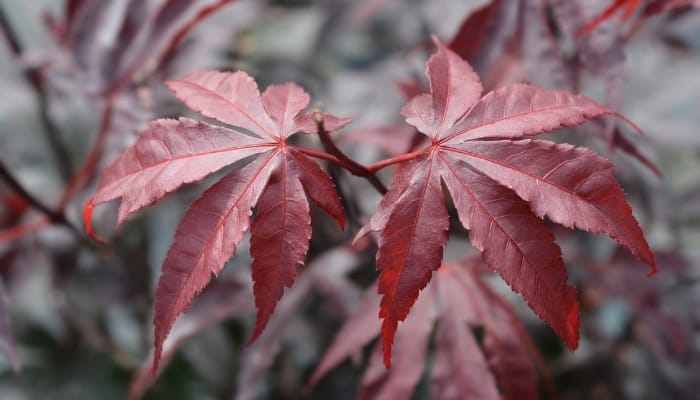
(456, 303)
(501, 184)
(170, 153)
(463, 165)
(480, 152)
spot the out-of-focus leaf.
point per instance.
(503, 367)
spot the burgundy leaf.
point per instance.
(399, 381)
(460, 370)
(168, 154)
(358, 330)
(219, 301)
(471, 35)
(511, 365)
(572, 186)
(523, 110)
(512, 241)
(171, 22)
(205, 240)
(283, 103)
(230, 98)
(279, 240)
(541, 52)
(449, 96)
(402, 178)
(318, 186)
(511, 354)
(410, 247)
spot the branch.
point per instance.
(394, 160)
(346, 162)
(35, 77)
(53, 216)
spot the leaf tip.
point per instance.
(87, 221)
(156, 358)
(573, 323)
(388, 332)
(260, 324)
(438, 43)
(652, 272)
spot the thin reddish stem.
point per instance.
(319, 154)
(20, 231)
(348, 163)
(51, 215)
(395, 160)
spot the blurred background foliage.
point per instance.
(76, 89)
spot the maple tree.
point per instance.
(450, 216)
(474, 151)
(172, 152)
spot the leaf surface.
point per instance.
(502, 185)
(453, 304)
(410, 247)
(170, 153)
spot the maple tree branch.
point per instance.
(346, 162)
(318, 154)
(35, 77)
(394, 160)
(16, 232)
(52, 215)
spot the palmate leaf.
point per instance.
(660, 6)
(454, 303)
(170, 153)
(502, 185)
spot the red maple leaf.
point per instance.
(170, 153)
(454, 304)
(502, 185)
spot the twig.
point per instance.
(53, 216)
(394, 160)
(16, 232)
(36, 78)
(346, 162)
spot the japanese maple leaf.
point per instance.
(170, 153)
(530, 49)
(502, 184)
(454, 304)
